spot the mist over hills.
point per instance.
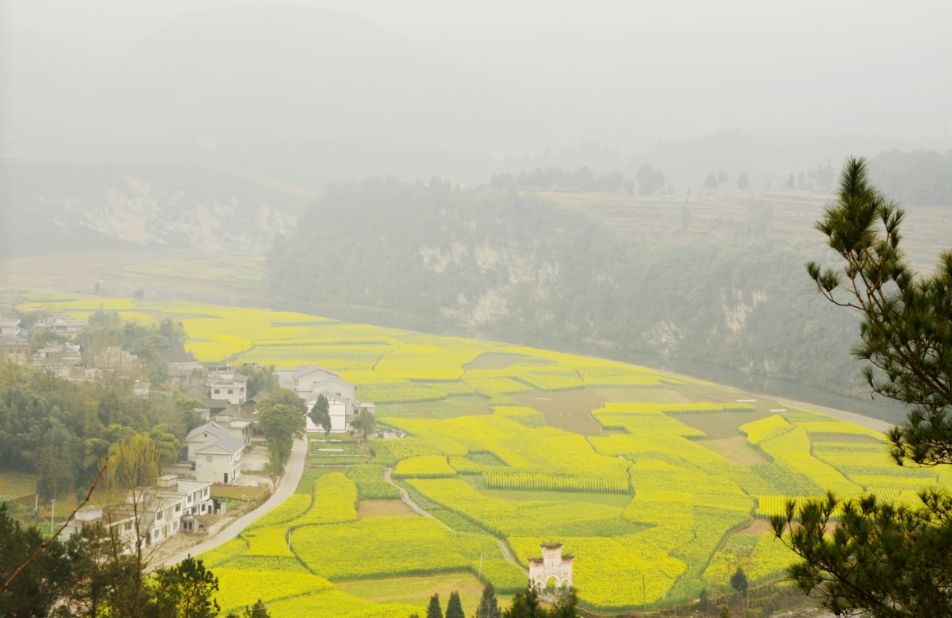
(310, 95)
(295, 91)
(55, 207)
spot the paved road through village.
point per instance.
(286, 487)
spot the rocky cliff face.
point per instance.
(520, 268)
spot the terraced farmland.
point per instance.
(657, 483)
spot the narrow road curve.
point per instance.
(503, 546)
(286, 486)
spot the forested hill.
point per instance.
(720, 280)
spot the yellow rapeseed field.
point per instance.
(516, 446)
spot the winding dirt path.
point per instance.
(503, 546)
(405, 496)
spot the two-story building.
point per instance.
(219, 461)
(196, 495)
(156, 513)
(311, 381)
(215, 453)
(172, 505)
(227, 385)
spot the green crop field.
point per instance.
(658, 484)
(15, 485)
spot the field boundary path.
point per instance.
(419, 510)
(507, 554)
(405, 496)
(286, 486)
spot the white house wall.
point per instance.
(211, 468)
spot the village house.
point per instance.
(204, 434)
(215, 453)
(10, 327)
(238, 428)
(65, 361)
(220, 461)
(114, 359)
(142, 389)
(227, 385)
(311, 381)
(13, 345)
(118, 519)
(14, 349)
(185, 373)
(61, 324)
(190, 500)
(59, 358)
(162, 511)
(337, 410)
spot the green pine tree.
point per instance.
(565, 606)
(525, 604)
(488, 606)
(258, 610)
(187, 589)
(434, 610)
(884, 560)
(454, 608)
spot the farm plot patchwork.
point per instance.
(637, 472)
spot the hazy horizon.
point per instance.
(626, 76)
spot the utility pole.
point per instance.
(52, 508)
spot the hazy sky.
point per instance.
(680, 67)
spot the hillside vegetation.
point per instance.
(718, 280)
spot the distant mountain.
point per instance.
(48, 207)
